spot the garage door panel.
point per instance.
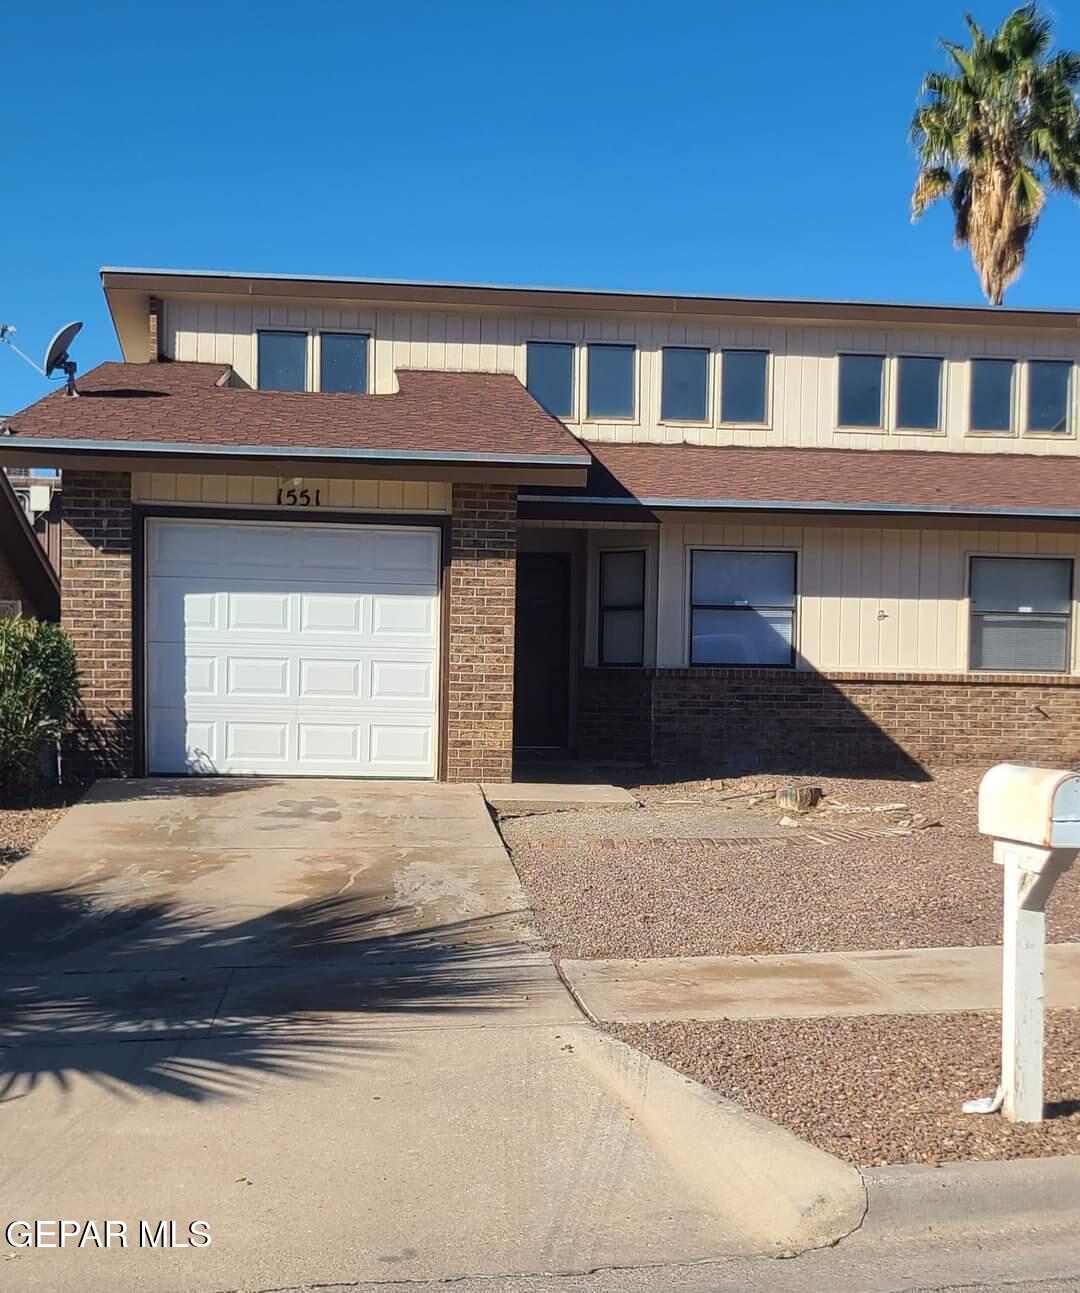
(303, 649)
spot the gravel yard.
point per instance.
(877, 1089)
(23, 824)
(696, 873)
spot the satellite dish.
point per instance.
(57, 354)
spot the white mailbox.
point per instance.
(1039, 806)
(1033, 815)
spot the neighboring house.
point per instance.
(28, 583)
(40, 495)
(327, 526)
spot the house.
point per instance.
(340, 526)
(29, 585)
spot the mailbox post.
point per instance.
(1033, 815)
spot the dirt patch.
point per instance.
(698, 872)
(24, 821)
(881, 1089)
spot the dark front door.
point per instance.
(542, 651)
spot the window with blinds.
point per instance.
(742, 608)
(1021, 614)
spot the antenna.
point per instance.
(56, 356)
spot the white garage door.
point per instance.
(289, 648)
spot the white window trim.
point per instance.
(318, 333)
(1014, 393)
(895, 426)
(575, 370)
(688, 603)
(747, 426)
(608, 541)
(603, 420)
(601, 553)
(1010, 554)
(711, 383)
(1024, 384)
(886, 394)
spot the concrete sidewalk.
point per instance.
(931, 980)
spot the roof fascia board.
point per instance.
(255, 286)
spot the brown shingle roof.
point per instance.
(182, 403)
(832, 479)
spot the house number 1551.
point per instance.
(299, 497)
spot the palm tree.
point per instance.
(994, 136)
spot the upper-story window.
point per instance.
(549, 376)
(283, 361)
(611, 381)
(343, 362)
(918, 392)
(684, 390)
(744, 376)
(1048, 396)
(991, 403)
(860, 398)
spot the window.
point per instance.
(684, 385)
(859, 402)
(622, 608)
(549, 376)
(991, 394)
(1021, 609)
(743, 378)
(343, 362)
(611, 381)
(283, 361)
(1048, 395)
(742, 608)
(918, 393)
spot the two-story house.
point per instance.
(399, 529)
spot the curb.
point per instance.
(782, 1195)
(917, 1199)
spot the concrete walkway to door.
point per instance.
(313, 1014)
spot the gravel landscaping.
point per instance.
(697, 872)
(879, 1089)
(23, 824)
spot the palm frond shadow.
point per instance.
(154, 996)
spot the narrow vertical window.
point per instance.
(611, 381)
(1049, 382)
(991, 394)
(343, 362)
(549, 376)
(283, 361)
(918, 394)
(622, 608)
(859, 400)
(743, 381)
(684, 393)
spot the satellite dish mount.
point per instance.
(57, 358)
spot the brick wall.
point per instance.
(777, 721)
(480, 664)
(96, 612)
(614, 714)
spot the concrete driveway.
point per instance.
(313, 1015)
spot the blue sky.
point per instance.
(743, 149)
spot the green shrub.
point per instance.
(38, 690)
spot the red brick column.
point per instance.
(96, 611)
(480, 663)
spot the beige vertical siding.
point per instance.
(803, 367)
(869, 597)
(262, 491)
